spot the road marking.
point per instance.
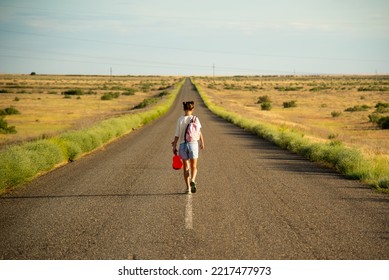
(189, 212)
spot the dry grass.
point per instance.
(316, 98)
(45, 111)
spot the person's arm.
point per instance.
(201, 141)
(174, 145)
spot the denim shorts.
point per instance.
(189, 150)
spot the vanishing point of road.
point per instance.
(254, 201)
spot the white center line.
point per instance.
(189, 212)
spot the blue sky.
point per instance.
(173, 37)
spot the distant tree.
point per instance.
(33, 73)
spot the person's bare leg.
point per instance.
(187, 174)
(193, 169)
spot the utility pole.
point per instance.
(111, 71)
(213, 70)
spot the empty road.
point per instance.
(254, 201)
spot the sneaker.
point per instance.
(188, 192)
(193, 187)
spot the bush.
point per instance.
(373, 88)
(266, 106)
(146, 87)
(358, 108)
(129, 91)
(382, 107)
(374, 118)
(73, 92)
(336, 114)
(319, 88)
(384, 184)
(290, 104)
(163, 93)
(383, 122)
(146, 102)
(9, 111)
(288, 88)
(110, 95)
(264, 98)
(4, 128)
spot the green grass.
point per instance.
(348, 161)
(22, 163)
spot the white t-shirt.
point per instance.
(182, 123)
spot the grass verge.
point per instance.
(21, 163)
(348, 161)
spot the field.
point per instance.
(317, 105)
(49, 105)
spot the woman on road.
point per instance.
(188, 151)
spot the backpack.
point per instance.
(192, 132)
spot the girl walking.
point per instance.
(188, 151)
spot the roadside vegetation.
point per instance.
(50, 105)
(320, 128)
(23, 162)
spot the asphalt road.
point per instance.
(254, 201)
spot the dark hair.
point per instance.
(188, 105)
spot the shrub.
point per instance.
(384, 184)
(9, 111)
(264, 98)
(382, 107)
(336, 114)
(129, 91)
(4, 128)
(110, 95)
(373, 88)
(383, 122)
(290, 104)
(374, 118)
(288, 88)
(106, 97)
(73, 92)
(358, 108)
(146, 102)
(333, 136)
(266, 106)
(163, 93)
(319, 88)
(146, 87)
